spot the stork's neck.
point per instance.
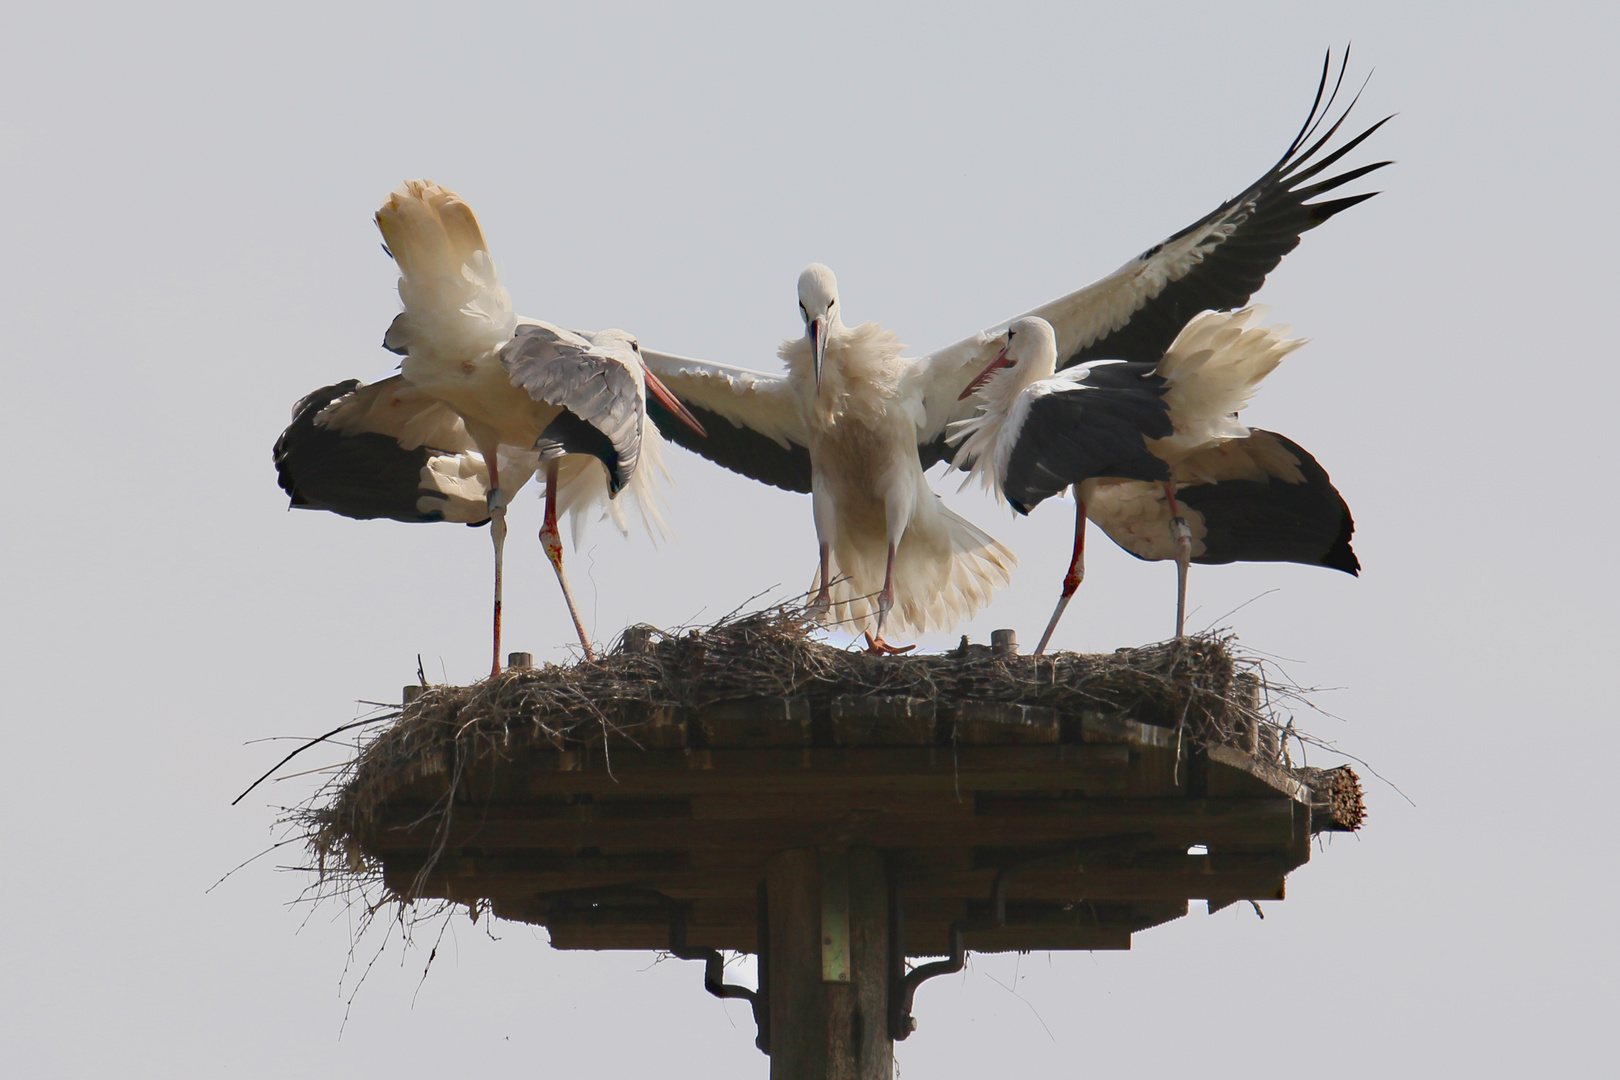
(996, 396)
(860, 370)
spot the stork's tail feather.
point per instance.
(1213, 368)
(945, 570)
(454, 303)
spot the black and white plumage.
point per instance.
(492, 397)
(1089, 420)
(1259, 498)
(381, 450)
(1132, 314)
(1154, 453)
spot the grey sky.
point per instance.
(188, 193)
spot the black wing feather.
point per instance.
(1096, 429)
(1276, 520)
(1273, 213)
(365, 475)
(740, 449)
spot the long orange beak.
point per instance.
(984, 376)
(671, 402)
(818, 345)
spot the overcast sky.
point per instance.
(189, 248)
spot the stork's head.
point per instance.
(818, 305)
(1028, 353)
(622, 346)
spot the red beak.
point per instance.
(984, 376)
(671, 402)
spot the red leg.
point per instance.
(496, 501)
(1076, 574)
(553, 545)
(823, 601)
(874, 642)
(1183, 539)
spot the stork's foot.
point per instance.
(876, 646)
(817, 609)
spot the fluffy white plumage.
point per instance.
(456, 321)
(857, 413)
(531, 396)
(868, 484)
(1213, 368)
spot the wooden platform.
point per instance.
(1025, 827)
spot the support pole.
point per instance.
(829, 968)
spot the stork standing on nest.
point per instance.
(1154, 453)
(891, 554)
(1134, 314)
(521, 394)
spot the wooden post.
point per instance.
(829, 965)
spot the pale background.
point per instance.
(188, 248)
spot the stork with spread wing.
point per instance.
(484, 400)
(802, 430)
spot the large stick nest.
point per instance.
(1196, 685)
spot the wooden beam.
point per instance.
(691, 772)
(726, 823)
(1191, 877)
(882, 720)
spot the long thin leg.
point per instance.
(553, 545)
(823, 601)
(875, 642)
(1077, 570)
(886, 597)
(1182, 535)
(825, 513)
(496, 502)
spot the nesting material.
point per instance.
(719, 686)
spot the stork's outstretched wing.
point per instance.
(752, 419)
(590, 378)
(381, 451)
(1217, 262)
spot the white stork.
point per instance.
(752, 418)
(484, 399)
(1154, 452)
(891, 554)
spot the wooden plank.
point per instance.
(1098, 769)
(882, 720)
(1007, 768)
(1259, 821)
(760, 837)
(1232, 772)
(1099, 727)
(1260, 879)
(638, 725)
(1001, 723)
(939, 804)
(1081, 925)
(755, 722)
(930, 938)
(991, 820)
